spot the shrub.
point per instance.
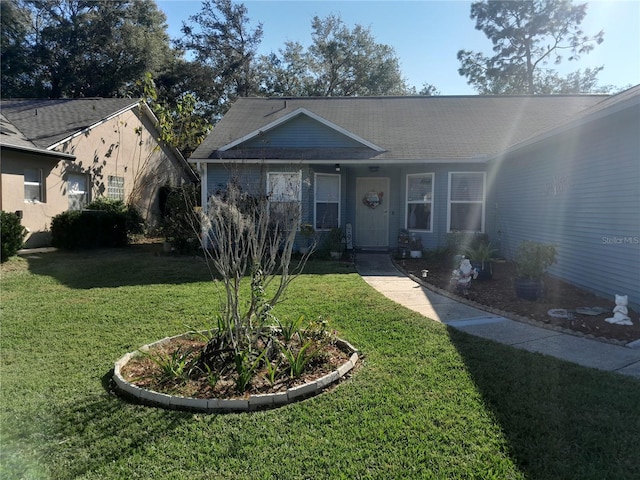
(533, 259)
(179, 222)
(11, 235)
(89, 229)
(134, 220)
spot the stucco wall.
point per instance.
(124, 146)
(36, 216)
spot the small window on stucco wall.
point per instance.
(33, 185)
(77, 191)
(115, 187)
(466, 202)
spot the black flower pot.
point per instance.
(485, 270)
(528, 289)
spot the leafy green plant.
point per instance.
(334, 240)
(12, 235)
(272, 370)
(172, 366)
(290, 328)
(299, 358)
(533, 259)
(483, 252)
(246, 368)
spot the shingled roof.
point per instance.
(438, 128)
(45, 122)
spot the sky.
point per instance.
(426, 35)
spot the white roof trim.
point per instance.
(359, 162)
(295, 113)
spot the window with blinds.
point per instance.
(327, 201)
(466, 202)
(419, 202)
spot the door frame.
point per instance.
(385, 205)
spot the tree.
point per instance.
(81, 48)
(339, 62)
(180, 123)
(15, 52)
(527, 36)
(226, 46)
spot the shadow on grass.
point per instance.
(560, 420)
(91, 433)
(133, 265)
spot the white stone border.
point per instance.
(211, 405)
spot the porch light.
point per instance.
(337, 167)
(425, 273)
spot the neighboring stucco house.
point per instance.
(59, 155)
(562, 169)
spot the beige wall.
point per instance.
(36, 216)
(123, 146)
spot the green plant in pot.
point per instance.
(482, 257)
(532, 260)
(308, 232)
(334, 242)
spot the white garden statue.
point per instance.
(620, 311)
(462, 276)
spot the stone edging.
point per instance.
(211, 405)
(503, 313)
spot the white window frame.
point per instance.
(418, 202)
(316, 202)
(481, 202)
(297, 199)
(112, 194)
(39, 184)
(85, 192)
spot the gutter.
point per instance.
(39, 151)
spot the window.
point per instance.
(327, 201)
(419, 201)
(115, 188)
(284, 193)
(77, 191)
(33, 191)
(466, 201)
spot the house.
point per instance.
(59, 155)
(437, 165)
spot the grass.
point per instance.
(428, 403)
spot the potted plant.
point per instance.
(532, 260)
(481, 257)
(307, 231)
(334, 242)
(415, 247)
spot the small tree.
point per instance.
(249, 239)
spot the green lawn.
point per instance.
(428, 403)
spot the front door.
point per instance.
(372, 212)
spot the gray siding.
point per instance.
(580, 191)
(397, 195)
(302, 132)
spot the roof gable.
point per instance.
(46, 122)
(301, 129)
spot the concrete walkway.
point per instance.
(379, 272)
